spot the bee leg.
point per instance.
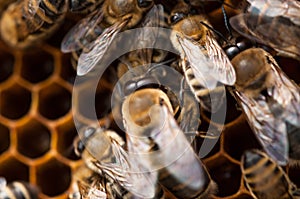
(215, 134)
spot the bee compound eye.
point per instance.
(232, 51)
(79, 148)
(176, 17)
(145, 3)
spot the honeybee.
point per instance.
(274, 23)
(204, 63)
(144, 74)
(103, 153)
(95, 33)
(265, 179)
(17, 190)
(154, 137)
(270, 101)
(27, 22)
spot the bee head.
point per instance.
(130, 10)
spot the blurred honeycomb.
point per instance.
(37, 127)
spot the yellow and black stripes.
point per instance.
(19, 190)
(264, 178)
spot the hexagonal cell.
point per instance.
(12, 169)
(53, 177)
(37, 66)
(239, 138)
(294, 174)
(4, 138)
(15, 102)
(291, 67)
(226, 174)
(66, 134)
(6, 65)
(67, 71)
(102, 102)
(54, 101)
(33, 139)
(232, 112)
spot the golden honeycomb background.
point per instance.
(37, 127)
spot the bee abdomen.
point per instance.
(264, 177)
(20, 190)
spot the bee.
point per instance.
(24, 23)
(142, 73)
(265, 179)
(270, 101)
(93, 34)
(153, 135)
(204, 63)
(103, 153)
(274, 23)
(17, 190)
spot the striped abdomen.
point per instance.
(264, 178)
(210, 100)
(19, 190)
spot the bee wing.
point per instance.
(222, 65)
(277, 32)
(83, 33)
(148, 37)
(87, 61)
(199, 62)
(285, 8)
(87, 191)
(136, 179)
(286, 93)
(270, 131)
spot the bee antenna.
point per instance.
(226, 21)
(215, 31)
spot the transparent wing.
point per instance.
(148, 33)
(83, 33)
(273, 8)
(94, 190)
(223, 68)
(129, 173)
(278, 32)
(201, 65)
(270, 131)
(88, 60)
(287, 94)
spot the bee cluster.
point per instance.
(200, 99)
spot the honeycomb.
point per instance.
(37, 127)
